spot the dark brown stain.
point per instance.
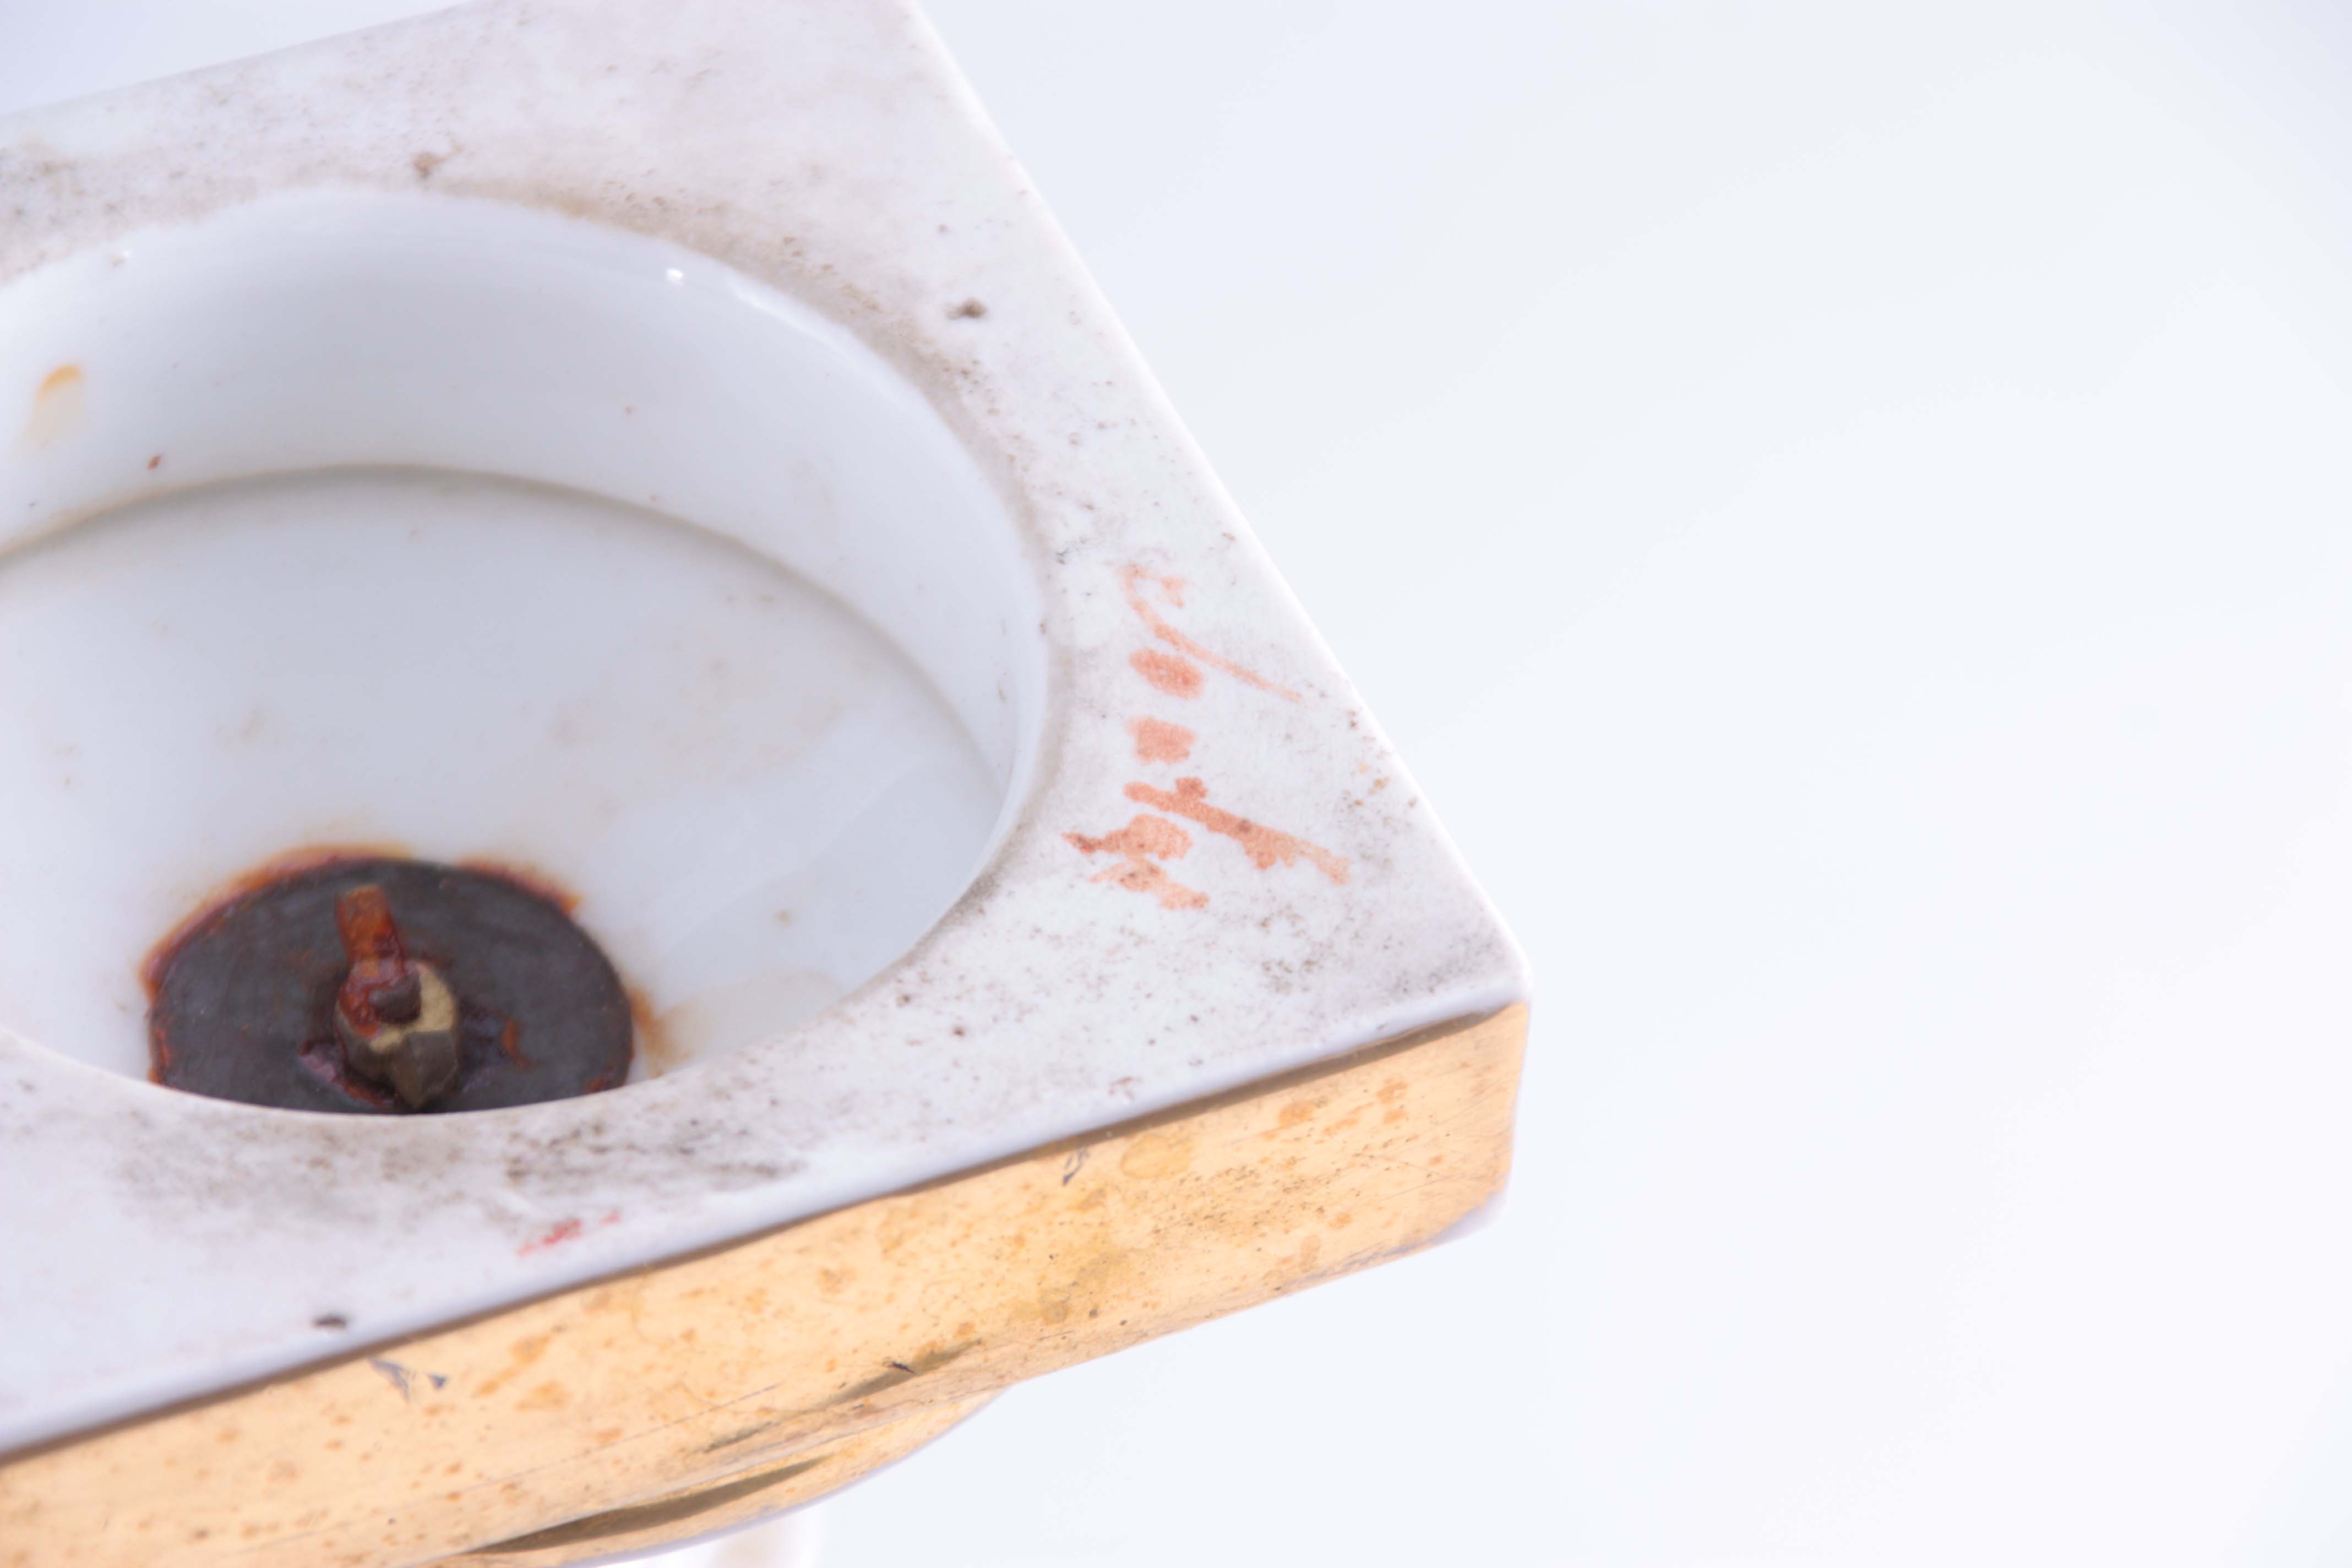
(181, 999)
(325, 1060)
(900, 1371)
(970, 311)
(741, 1436)
(529, 879)
(371, 945)
(316, 857)
(1266, 847)
(645, 1517)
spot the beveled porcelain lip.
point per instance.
(1289, 898)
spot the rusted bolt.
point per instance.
(282, 993)
(401, 1001)
(396, 1018)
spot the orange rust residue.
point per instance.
(1176, 677)
(1136, 844)
(654, 1048)
(159, 957)
(510, 1044)
(1157, 740)
(529, 879)
(371, 943)
(1266, 847)
(155, 462)
(1132, 580)
(57, 406)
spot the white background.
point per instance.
(1845, 510)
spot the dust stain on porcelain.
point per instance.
(204, 1247)
(723, 1017)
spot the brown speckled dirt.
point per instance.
(832, 152)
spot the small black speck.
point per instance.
(331, 1321)
(902, 1366)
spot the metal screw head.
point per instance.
(418, 1059)
(540, 1014)
(396, 1018)
(399, 1002)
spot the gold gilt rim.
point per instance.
(821, 1338)
(722, 1505)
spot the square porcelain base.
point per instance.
(1163, 993)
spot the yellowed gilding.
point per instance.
(819, 1339)
(722, 1505)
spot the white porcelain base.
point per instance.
(767, 270)
(757, 800)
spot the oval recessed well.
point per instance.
(486, 535)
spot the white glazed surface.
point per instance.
(757, 802)
(758, 807)
(163, 1245)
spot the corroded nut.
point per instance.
(418, 1058)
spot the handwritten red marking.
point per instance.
(1266, 847)
(1171, 589)
(1142, 836)
(1140, 839)
(1142, 877)
(556, 1236)
(1176, 677)
(1157, 740)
